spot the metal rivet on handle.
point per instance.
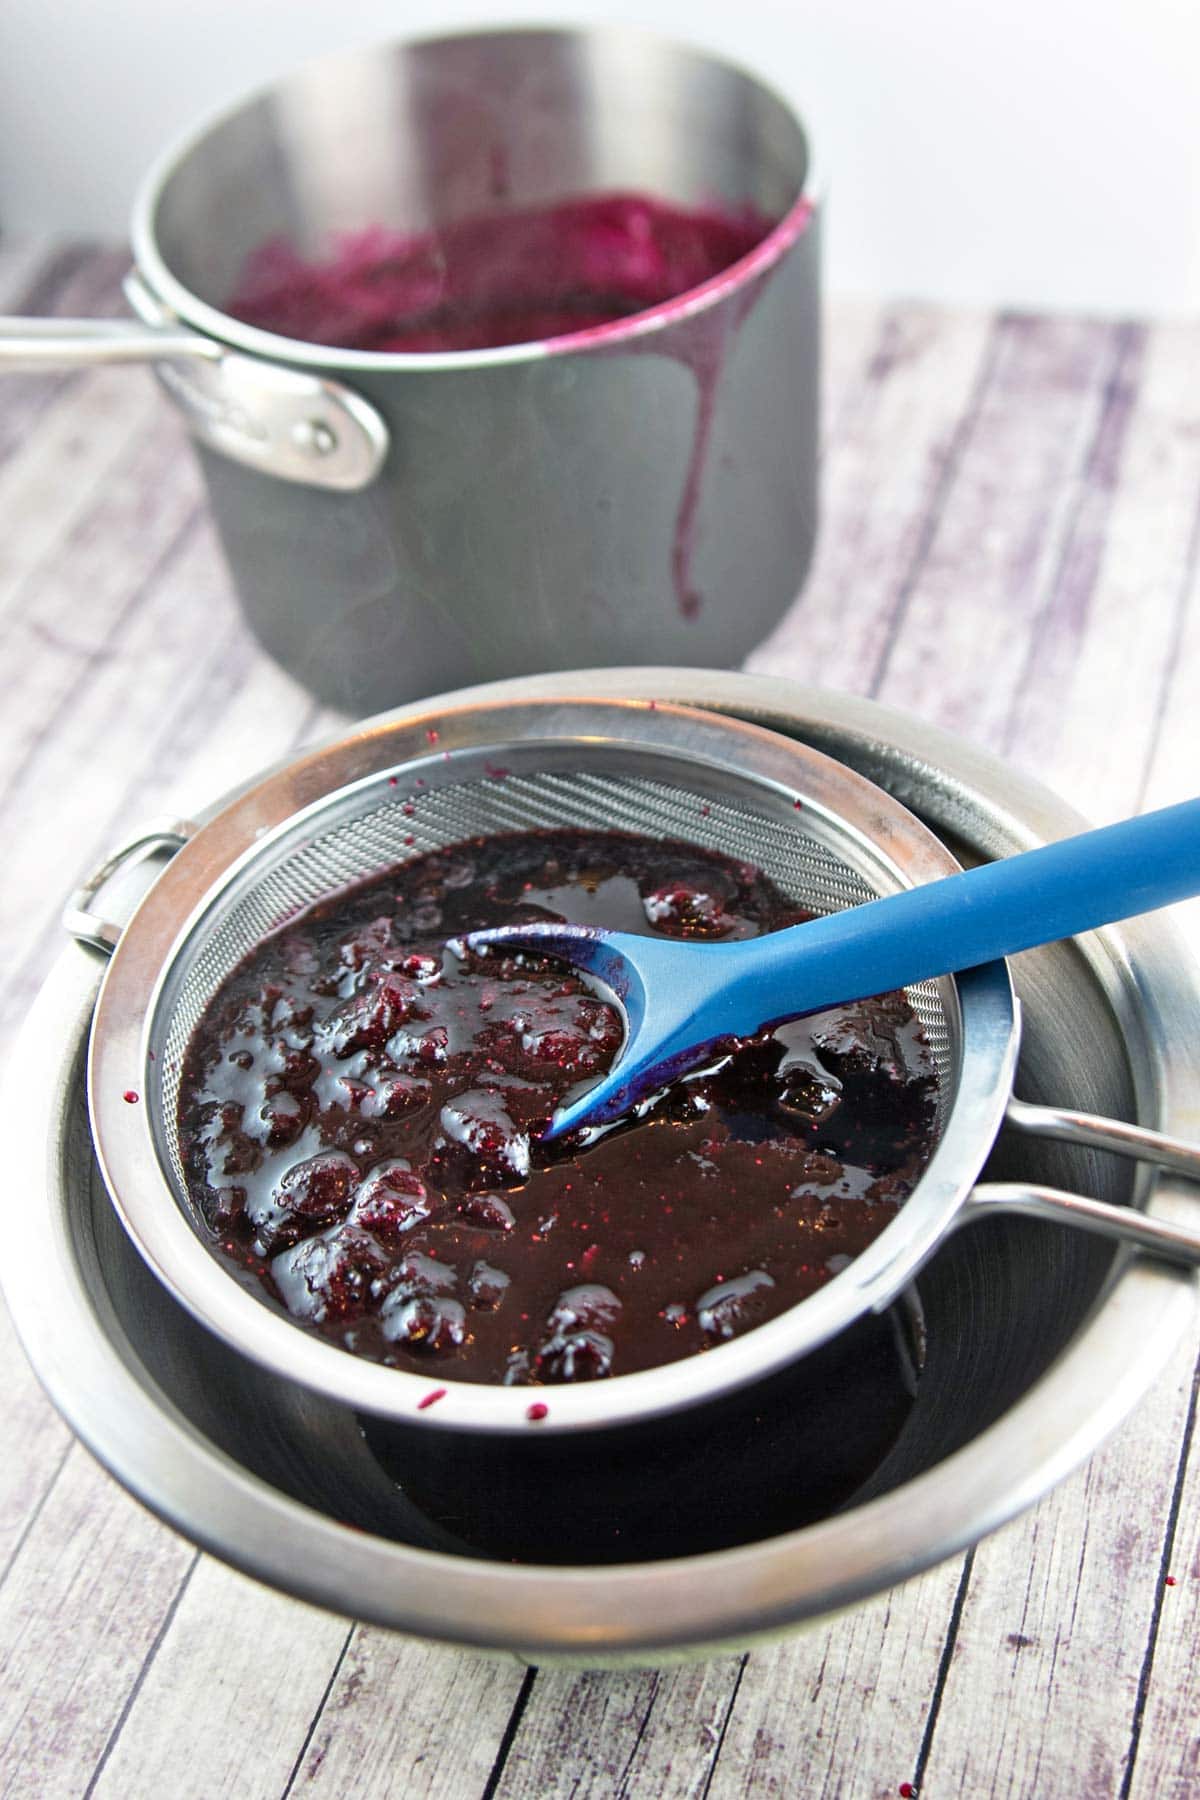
(314, 436)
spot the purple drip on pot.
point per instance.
(609, 260)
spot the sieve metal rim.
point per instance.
(285, 803)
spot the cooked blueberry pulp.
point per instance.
(506, 277)
(360, 1111)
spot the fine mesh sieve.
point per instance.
(382, 831)
(827, 838)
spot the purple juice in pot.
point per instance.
(565, 275)
(495, 278)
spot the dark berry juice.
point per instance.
(360, 1114)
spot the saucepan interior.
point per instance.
(420, 135)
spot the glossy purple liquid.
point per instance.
(360, 1112)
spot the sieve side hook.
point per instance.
(104, 934)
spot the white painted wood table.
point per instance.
(1010, 548)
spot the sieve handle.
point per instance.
(104, 934)
(1096, 1133)
(1173, 1243)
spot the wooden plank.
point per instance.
(1171, 773)
(153, 754)
(1056, 1620)
(407, 1718)
(64, 792)
(64, 282)
(72, 604)
(1166, 1749)
(233, 711)
(68, 462)
(1036, 544)
(884, 469)
(230, 710)
(1061, 1605)
(850, 331)
(33, 1442)
(61, 278)
(961, 625)
(246, 713)
(227, 1698)
(1089, 706)
(588, 1736)
(843, 1708)
(22, 261)
(987, 426)
(80, 1610)
(32, 1439)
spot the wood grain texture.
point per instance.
(85, 436)
(261, 1685)
(1092, 702)
(1080, 1572)
(1166, 1765)
(845, 1703)
(407, 1718)
(961, 633)
(1011, 548)
(81, 1608)
(586, 1736)
(1056, 1621)
(70, 282)
(892, 445)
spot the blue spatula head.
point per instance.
(680, 997)
(675, 998)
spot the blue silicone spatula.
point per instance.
(679, 997)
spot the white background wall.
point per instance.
(1035, 152)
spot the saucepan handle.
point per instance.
(283, 421)
(33, 345)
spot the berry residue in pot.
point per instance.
(360, 1111)
(513, 276)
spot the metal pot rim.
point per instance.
(211, 321)
(630, 1613)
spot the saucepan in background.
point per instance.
(396, 522)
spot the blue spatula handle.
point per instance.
(995, 910)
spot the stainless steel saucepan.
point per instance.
(595, 482)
